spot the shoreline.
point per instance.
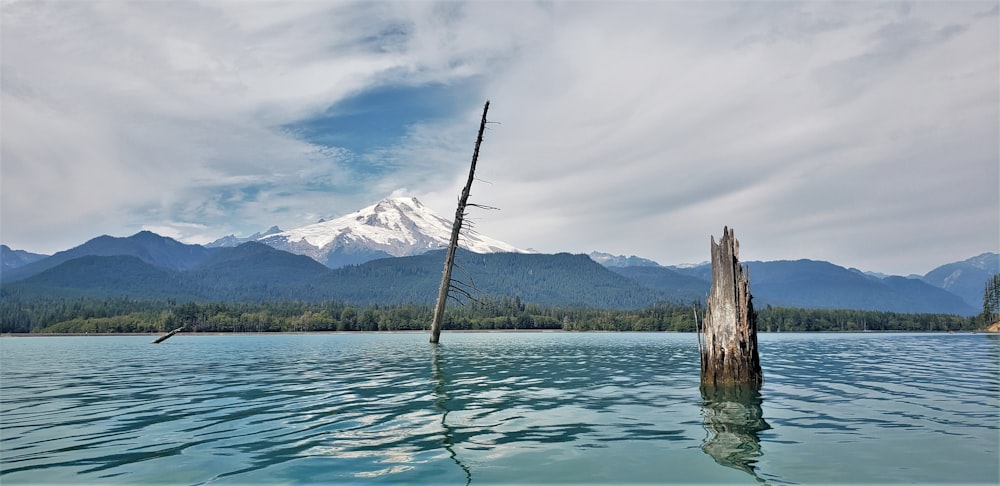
(456, 331)
(284, 333)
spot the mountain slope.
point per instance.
(103, 276)
(229, 241)
(11, 259)
(149, 247)
(615, 261)
(966, 279)
(677, 286)
(146, 265)
(912, 293)
(815, 284)
(252, 271)
(393, 227)
(823, 285)
(555, 280)
(256, 272)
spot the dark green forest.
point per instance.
(125, 315)
(258, 273)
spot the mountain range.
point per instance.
(11, 259)
(391, 253)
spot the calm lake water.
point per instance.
(492, 408)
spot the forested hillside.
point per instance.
(550, 280)
(124, 315)
(146, 246)
(254, 272)
(823, 285)
(146, 266)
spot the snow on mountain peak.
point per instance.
(397, 226)
(233, 240)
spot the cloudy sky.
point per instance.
(862, 133)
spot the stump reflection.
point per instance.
(733, 419)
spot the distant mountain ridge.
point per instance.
(391, 251)
(810, 284)
(257, 272)
(681, 287)
(966, 278)
(561, 279)
(147, 265)
(11, 259)
(793, 283)
(609, 260)
(233, 240)
(100, 276)
(144, 245)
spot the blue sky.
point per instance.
(377, 117)
(862, 133)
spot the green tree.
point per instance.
(991, 301)
(348, 320)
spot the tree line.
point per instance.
(125, 315)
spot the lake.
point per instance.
(489, 408)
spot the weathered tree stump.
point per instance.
(729, 345)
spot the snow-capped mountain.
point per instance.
(609, 260)
(394, 227)
(229, 241)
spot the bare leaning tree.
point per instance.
(456, 228)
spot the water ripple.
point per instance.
(490, 408)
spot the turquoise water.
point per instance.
(488, 408)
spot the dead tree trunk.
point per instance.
(167, 335)
(729, 353)
(456, 228)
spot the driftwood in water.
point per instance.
(729, 351)
(167, 335)
(456, 228)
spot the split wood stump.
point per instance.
(727, 337)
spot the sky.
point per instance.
(866, 134)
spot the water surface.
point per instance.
(484, 408)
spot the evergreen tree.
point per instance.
(991, 301)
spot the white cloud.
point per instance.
(709, 127)
(860, 133)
